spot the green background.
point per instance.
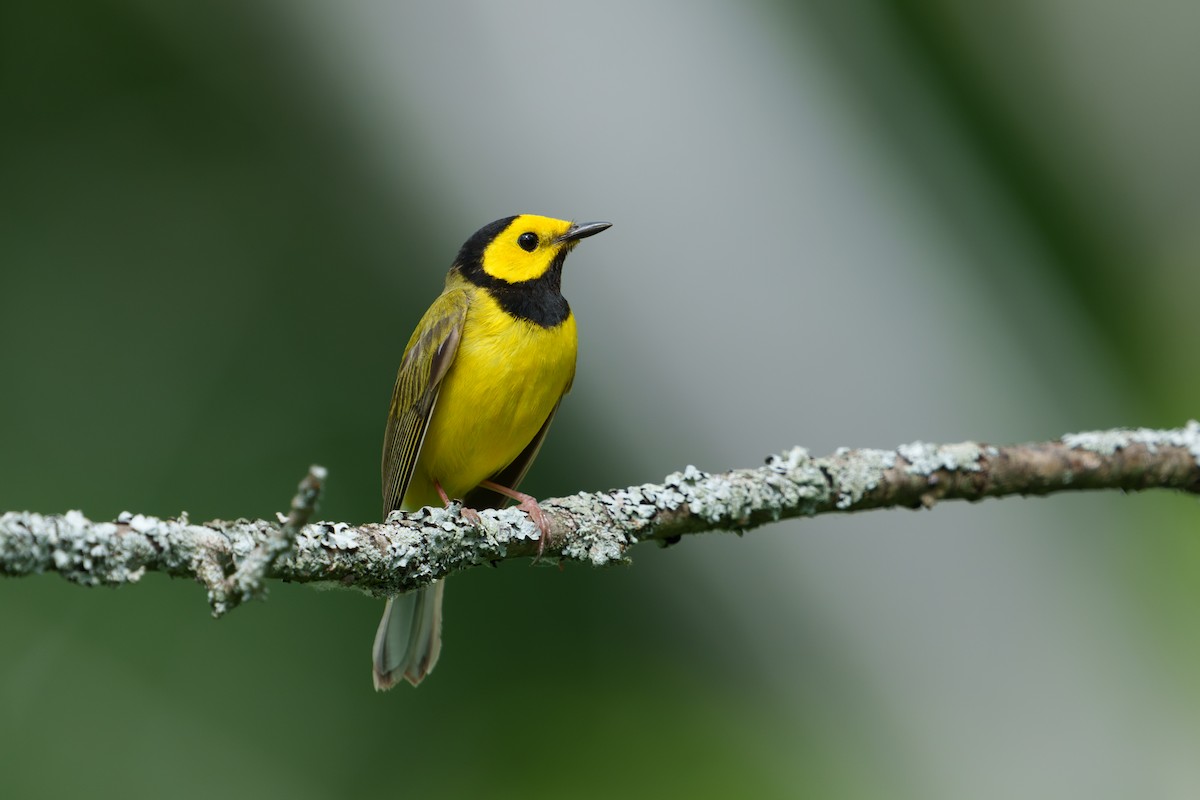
(834, 224)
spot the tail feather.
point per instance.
(409, 638)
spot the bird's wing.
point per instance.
(429, 355)
(512, 475)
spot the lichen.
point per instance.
(925, 459)
(1110, 441)
(852, 478)
(233, 559)
(595, 540)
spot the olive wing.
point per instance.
(429, 354)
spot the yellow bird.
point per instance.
(478, 385)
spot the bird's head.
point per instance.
(522, 248)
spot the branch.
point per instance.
(234, 558)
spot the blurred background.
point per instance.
(835, 224)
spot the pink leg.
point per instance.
(530, 506)
(469, 514)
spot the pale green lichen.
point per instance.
(791, 480)
(853, 477)
(799, 480)
(788, 461)
(599, 538)
(84, 552)
(725, 498)
(925, 459)
(636, 502)
(1110, 441)
(233, 559)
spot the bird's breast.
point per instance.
(506, 379)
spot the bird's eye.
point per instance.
(528, 242)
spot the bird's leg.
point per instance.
(530, 506)
(469, 514)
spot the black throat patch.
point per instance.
(539, 301)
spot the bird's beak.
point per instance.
(577, 232)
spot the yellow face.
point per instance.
(526, 248)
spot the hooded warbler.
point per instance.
(478, 385)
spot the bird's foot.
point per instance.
(529, 505)
(469, 514)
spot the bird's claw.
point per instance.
(531, 507)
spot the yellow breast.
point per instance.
(506, 379)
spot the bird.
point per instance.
(477, 388)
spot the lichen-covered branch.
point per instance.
(233, 559)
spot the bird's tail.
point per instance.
(409, 638)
